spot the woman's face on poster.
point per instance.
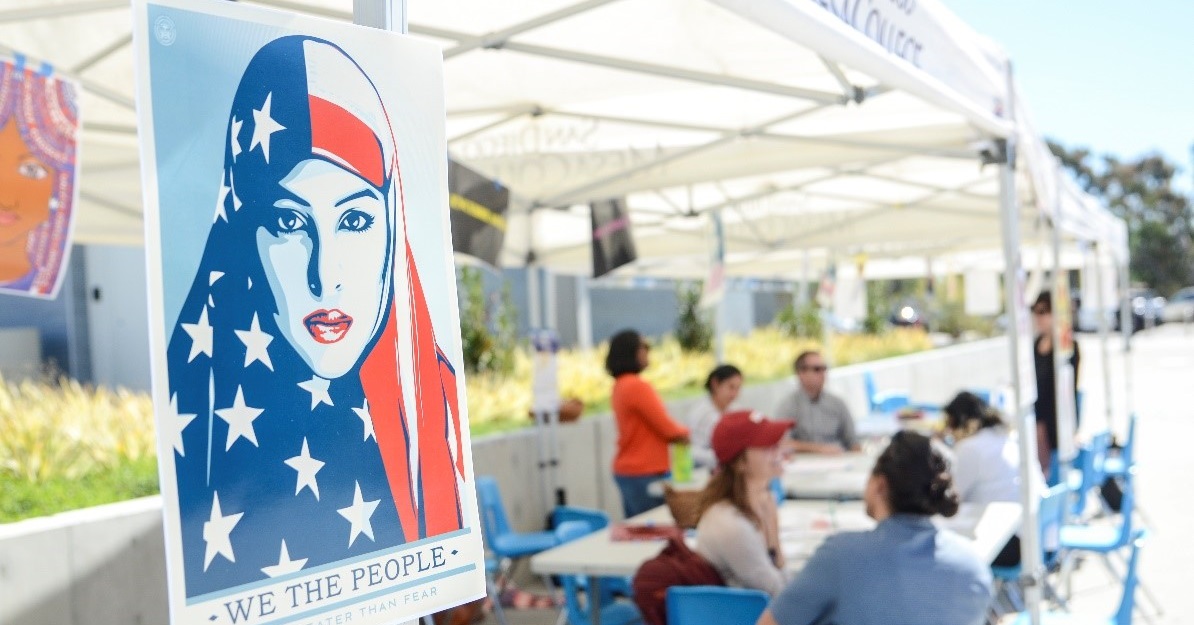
(26, 186)
(323, 246)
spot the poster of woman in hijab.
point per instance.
(39, 127)
(310, 402)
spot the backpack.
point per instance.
(676, 565)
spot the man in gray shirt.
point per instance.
(823, 423)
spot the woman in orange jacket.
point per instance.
(644, 426)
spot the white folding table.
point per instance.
(804, 524)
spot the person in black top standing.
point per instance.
(1046, 383)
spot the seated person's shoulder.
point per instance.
(722, 514)
(851, 545)
(833, 398)
(788, 405)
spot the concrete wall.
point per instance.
(107, 565)
(102, 565)
(61, 323)
(20, 357)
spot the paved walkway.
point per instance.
(1161, 377)
(1160, 380)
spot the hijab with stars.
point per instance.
(316, 420)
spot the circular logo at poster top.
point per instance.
(164, 30)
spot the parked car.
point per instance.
(1146, 309)
(910, 314)
(1180, 307)
(1146, 312)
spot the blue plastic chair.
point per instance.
(508, 546)
(1106, 540)
(594, 520)
(1050, 517)
(504, 542)
(1091, 461)
(1127, 603)
(714, 605)
(1125, 462)
(886, 401)
(572, 523)
(777, 490)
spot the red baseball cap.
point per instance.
(743, 429)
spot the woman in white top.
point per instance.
(739, 528)
(724, 383)
(986, 466)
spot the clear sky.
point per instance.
(1117, 77)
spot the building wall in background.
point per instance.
(61, 323)
(97, 329)
(117, 316)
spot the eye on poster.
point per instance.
(313, 442)
(39, 139)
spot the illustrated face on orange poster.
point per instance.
(38, 126)
(26, 186)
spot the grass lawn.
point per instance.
(23, 499)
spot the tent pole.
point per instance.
(383, 14)
(801, 299)
(584, 313)
(386, 15)
(1125, 312)
(1104, 335)
(1061, 358)
(1024, 419)
(716, 272)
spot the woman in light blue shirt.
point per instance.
(906, 570)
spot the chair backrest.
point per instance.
(494, 522)
(1126, 507)
(1123, 616)
(868, 382)
(1092, 460)
(596, 519)
(568, 520)
(776, 486)
(1051, 516)
(1129, 447)
(714, 605)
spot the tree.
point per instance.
(1160, 219)
(694, 332)
(488, 338)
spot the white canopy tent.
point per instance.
(824, 126)
(806, 133)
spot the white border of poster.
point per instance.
(194, 61)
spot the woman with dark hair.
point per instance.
(1046, 383)
(906, 569)
(739, 528)
(644, 426)
(986, 465)
(723, 385)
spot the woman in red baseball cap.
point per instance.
(739, 528)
